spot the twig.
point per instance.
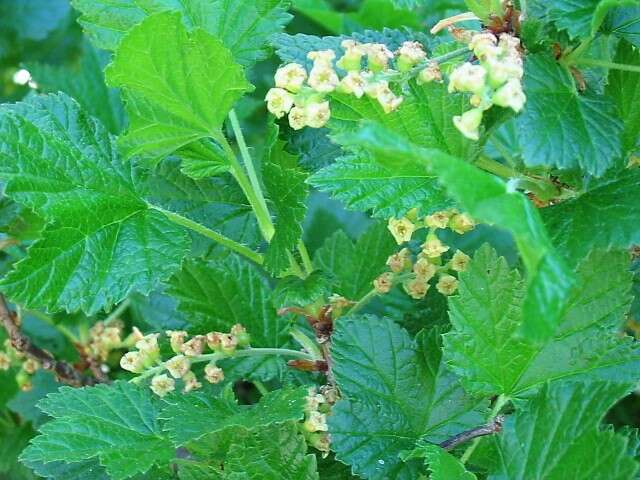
(494, 426)
(65, 372)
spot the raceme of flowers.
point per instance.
(178, 367)
(318, 403)
(415, 274)
(302, 95)
(494, 79)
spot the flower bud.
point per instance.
(317, 114)
(176, 339)
(459, 261)
(148, 345)
(429, 74)
(461, 223)
(353, 83)
(297, 118)
(228, 343)
(402, 229)
(133, 362)
(468, 78)
(484, 45)
(190, 382)
(410, 54)
(321, 57)
(30, 366)
(323, 78)
(162, 384)
(320, 441)
(469, 123)
(352, 58)
(437, 219)
(433, 247)
(378, 56)
(400, 261)
(214, 341)
(416, 288)
(316, 422)
(241, 335)
(279, 101)
(313, 400)
(291, 77)
(178, 366)
(424, 269)
(213, 373)
(5, 361)
(388, 100)
(383, 283)
(510, 95)
(447, 284)
(23, 379)
(194, 347)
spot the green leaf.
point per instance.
(14, 439)
(277, 451)
(203, 159)
(624, 89)
(215, 296)
(607, 217)
(584, 134)
(85, 83)
(86, 470)
(444, 466)
(363, 184)
(394, 392)
(623, 23)
(102, 240)
(285, 187)
(189, 417)
(557, 434)
(244, 26)
(490, 200)
(355, 266)
(178, 86)
(583, 18)
(485, 9)
(484, 347)
(116, 423)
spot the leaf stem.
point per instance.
(596, 62)
(214, 357)
(500, 402)
(261, 206)
(306, 258)
(371, 294)
(61, 328)
(207, 232)
(115, 314)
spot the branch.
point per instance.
(494, 426)
(65, 372)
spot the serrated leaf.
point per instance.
(85, 83)
(584, 134)
(556, 435)
(102, 240)
(244, 26)
(314, 148)
(484, 347)
(607, 217)
(190, 417)
(444, 466)
(394, 392)
(203, 159)
(582, 18)
(277, 451)
(623, 23)
(178, 86)
(116, 423)
(296, 291)
(355, 266)
(14, 439)
(86, 470)
(490, 200)
(485, 9)
(217, 295)
(285, 187)
(624, 89)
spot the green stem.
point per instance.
(261, 204)
(260, 387)
(419, 67)
(309, 345)
(306, 258)
(214, 357)
(117, 312)
(500, 402)
(363, 301)
(577, 52)
(596, 62)
(215, 236)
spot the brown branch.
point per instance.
(65, 372)
(494, 426)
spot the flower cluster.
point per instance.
(302, 95)
(317, 407)
(415, 274)
(10, 358)
(188, 350)
(103, 339)
(495, 80)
